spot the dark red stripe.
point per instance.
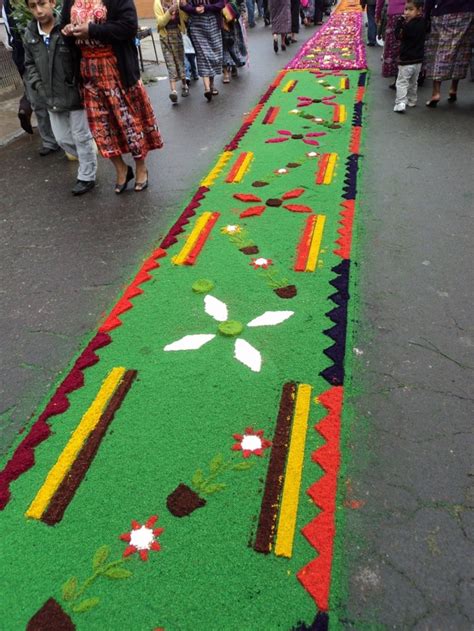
(276, 470)
(68, 487)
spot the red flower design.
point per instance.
(273, 202)
(251, 442)
(261, 262)
(286, 135)
(141, 539)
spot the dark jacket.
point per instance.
(434, 8)
(50, 71)
(412, 40)
(119, 30)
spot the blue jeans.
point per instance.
(251, 11)
(371, 25)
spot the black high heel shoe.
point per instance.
(141, 186)
(119, 188)
(208, 95)
(453, 97)
(275, 45)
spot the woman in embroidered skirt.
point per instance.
(204, 28)
(391, 48)
(449, 44)
(118, 109)
(280, 16)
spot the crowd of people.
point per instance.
(82, 79)
(431, 39)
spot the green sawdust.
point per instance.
(184, 408)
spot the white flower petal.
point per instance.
(215, 308)
(248, 355)
(270, 318)
(190, 342)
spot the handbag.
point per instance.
(229, 12)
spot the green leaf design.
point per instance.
(216, 463)
(242, 466)
(69, 588)
(100, 556)
(86, 605)
(214, 488)
(117, 573)
(198, 479)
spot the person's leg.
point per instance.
(402, 88)
(123, 173)
(251, 12)
(412, 94)
(435, 95)
(318, 12)
(141, 177)
(84, 145)
(371, 25)
(453, 90)
(61, 129)
(194, 70)
(44, 128)
(261, 12)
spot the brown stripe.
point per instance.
(276, 470)
(66, 490)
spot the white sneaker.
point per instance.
(411, 104)
(400, 108)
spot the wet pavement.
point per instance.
(65, 260)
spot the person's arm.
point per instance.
(215, 7)
(188, 8)
(122, 23)
(32, 77)
(363, 4)
(400, 26)
(162, 16)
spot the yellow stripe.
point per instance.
(74, 445)
(342, 113)
(243, 167)
(330, 168)
(191, 240)
(315, 244)
(294, 471)
(288, 86)
(216, 171)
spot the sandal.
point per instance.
(214, 91)
(119, 188)
(453, 97)
(432, 103)
(141, 186)
(208, 95)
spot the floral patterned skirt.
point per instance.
(391, 48)
(121, 119)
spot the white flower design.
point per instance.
(243, 351)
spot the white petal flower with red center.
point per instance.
(244, 352)
(141, 539)
(251, 442)
(261, 263)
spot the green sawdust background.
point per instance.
(182, 411)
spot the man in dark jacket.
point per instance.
(49, 73)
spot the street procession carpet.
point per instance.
(188, 471)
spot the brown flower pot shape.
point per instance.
(183, 501)
(50, 616)
(286, 292)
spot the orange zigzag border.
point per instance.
(345, 240)
(124, 303)
(320, 532)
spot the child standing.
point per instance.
(189, 59)
(171, 26)
(49, 73)
(410, 30)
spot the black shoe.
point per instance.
(275, 45)
(82, 187)
(283, 47)
(393, 86)
(208, 95)
(371, 44)
(119, 188)
(287, 40)
(45, 151)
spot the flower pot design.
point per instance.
(250, 249)
(289, 291)
(50, 616)
(183, 501)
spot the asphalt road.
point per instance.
(64, 260)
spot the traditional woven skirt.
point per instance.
(391, 48)
(121, 119)
(448, 47)
(206, 36)
(280, 16)
(173, 52)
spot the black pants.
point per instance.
(318, 11)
